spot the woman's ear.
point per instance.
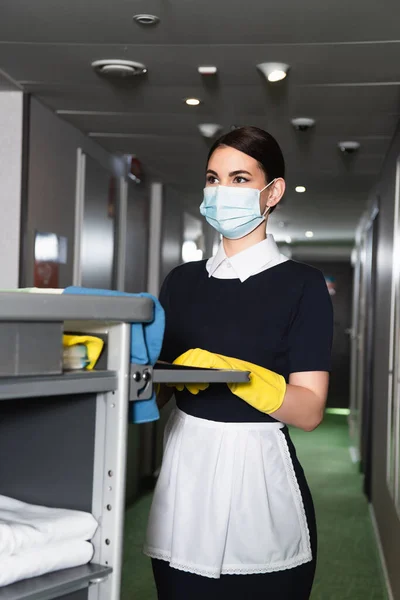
(276, 192)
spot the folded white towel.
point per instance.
(40, 561)
(25, 526)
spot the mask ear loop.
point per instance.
(267, 208)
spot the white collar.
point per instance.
(255, 259)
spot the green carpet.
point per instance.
(348, 563)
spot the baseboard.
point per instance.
(381, 554)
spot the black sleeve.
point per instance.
(311, 332)
(167, 352)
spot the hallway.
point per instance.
(348, 567)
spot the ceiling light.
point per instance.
(146, 19)
(120, 68)
(207, 70)
(274, 71)
(209, 130)
(303, 123)
(349, 147)
(309, 234)
(288, 239)
(300, 189)
(192, 101)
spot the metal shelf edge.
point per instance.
(23, 307)
(54, 585)
(58, 385)
(199, 376)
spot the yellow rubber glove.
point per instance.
(94, 346)
(193, 388)
(265, 391)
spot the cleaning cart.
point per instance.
(63, 435)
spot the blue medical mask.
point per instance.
(233, 211)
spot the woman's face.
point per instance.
(232, 168)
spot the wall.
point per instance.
(172, 231)
(137, 236)
(11, 133)
(386, 517)
(314, 251)
(53, 146)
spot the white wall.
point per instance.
(11, 128)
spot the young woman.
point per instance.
(232, 516)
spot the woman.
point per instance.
(232, 515)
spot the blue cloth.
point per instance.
(146, 343)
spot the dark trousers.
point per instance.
(291, 584)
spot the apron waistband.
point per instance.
(228, 426)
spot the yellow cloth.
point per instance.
(265, 391)
(94, 346)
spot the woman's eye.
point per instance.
(211, 179)
(240, 179)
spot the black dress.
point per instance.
(280, 319)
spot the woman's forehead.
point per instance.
(226, 158)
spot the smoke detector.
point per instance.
(119, 68)
(209, 130)
(146, 20)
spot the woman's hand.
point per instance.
(301, 403)
(202, 359)
(265, 391)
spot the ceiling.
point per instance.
(345, 73)
(6, 84)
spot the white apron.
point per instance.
(227, 500)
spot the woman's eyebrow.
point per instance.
(212, 172)
(233, 173)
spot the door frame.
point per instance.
(362, 339)
(366, 429)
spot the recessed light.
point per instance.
(349, 147)
(211, 70)
(300, 189)
(209, 130)
(303, 123)
(309, 234)
(274, 71)
(146, 19)
(120, 68)
(192, 101)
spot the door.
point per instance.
(363, 343)
(95, 225)
(339, 277)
